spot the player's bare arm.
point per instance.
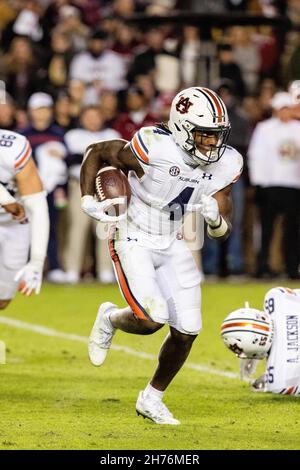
(116, 153)
(28, 179)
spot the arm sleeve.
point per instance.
(37, 209)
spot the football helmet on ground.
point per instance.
(248, 333)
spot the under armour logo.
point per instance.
(132, 239)
(183, 105)
(207, 175)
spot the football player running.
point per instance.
(272, 334)
(175, 168)
(24, 219)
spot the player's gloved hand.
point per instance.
(247, 368)
(30, 278)
(96, 209)
(209, 208)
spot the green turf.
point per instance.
(52, 398)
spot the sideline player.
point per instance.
(21, 188)
(184, 165)
(272, 334)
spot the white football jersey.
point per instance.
(283, 364)
(160, 198)
(15, 151)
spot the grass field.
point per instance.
(52, 398)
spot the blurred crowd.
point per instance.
(77, 71)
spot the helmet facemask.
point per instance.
(214, 152)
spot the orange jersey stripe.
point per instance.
(123, 283)
(289, 291)
(254, 325)
(139, 150)
(236, 178)
(23, 158)
(217, 104)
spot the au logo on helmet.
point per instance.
(183, 105)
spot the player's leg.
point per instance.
(291, 208)
(147, 311)
(172, 356)
(268, 208)
(179, 279)
(78, 230)
(134, 269)
(14, 248)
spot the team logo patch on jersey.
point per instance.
(183, 105)
(174, 171)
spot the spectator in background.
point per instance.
(125, 43)
(20, 70)
(109, 107)
(268, 50)
(51, 17)
(293, 66)
(70, 26)
(252, 109)
(123, 8)
(7, 114)
(228, 68)
(59, 61)
(228, 258)
(267, 89)
(99, 67)
(77, 94)
(77, 140)
(189, 55)
(274, 167)
(28, 21)
(49, 152)
(246, 54)
(62, 112)
(136, 115)
(146, 83)
(91, 11)
(145, 62)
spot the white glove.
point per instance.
(209, 208)
(247, 368)
(30, 278)
(96, 209)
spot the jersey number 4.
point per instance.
(177, 206)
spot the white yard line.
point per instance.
(42, 330)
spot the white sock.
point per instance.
(153, 392)
(119, 310)
(124, 310)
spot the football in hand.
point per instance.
(111, 183)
